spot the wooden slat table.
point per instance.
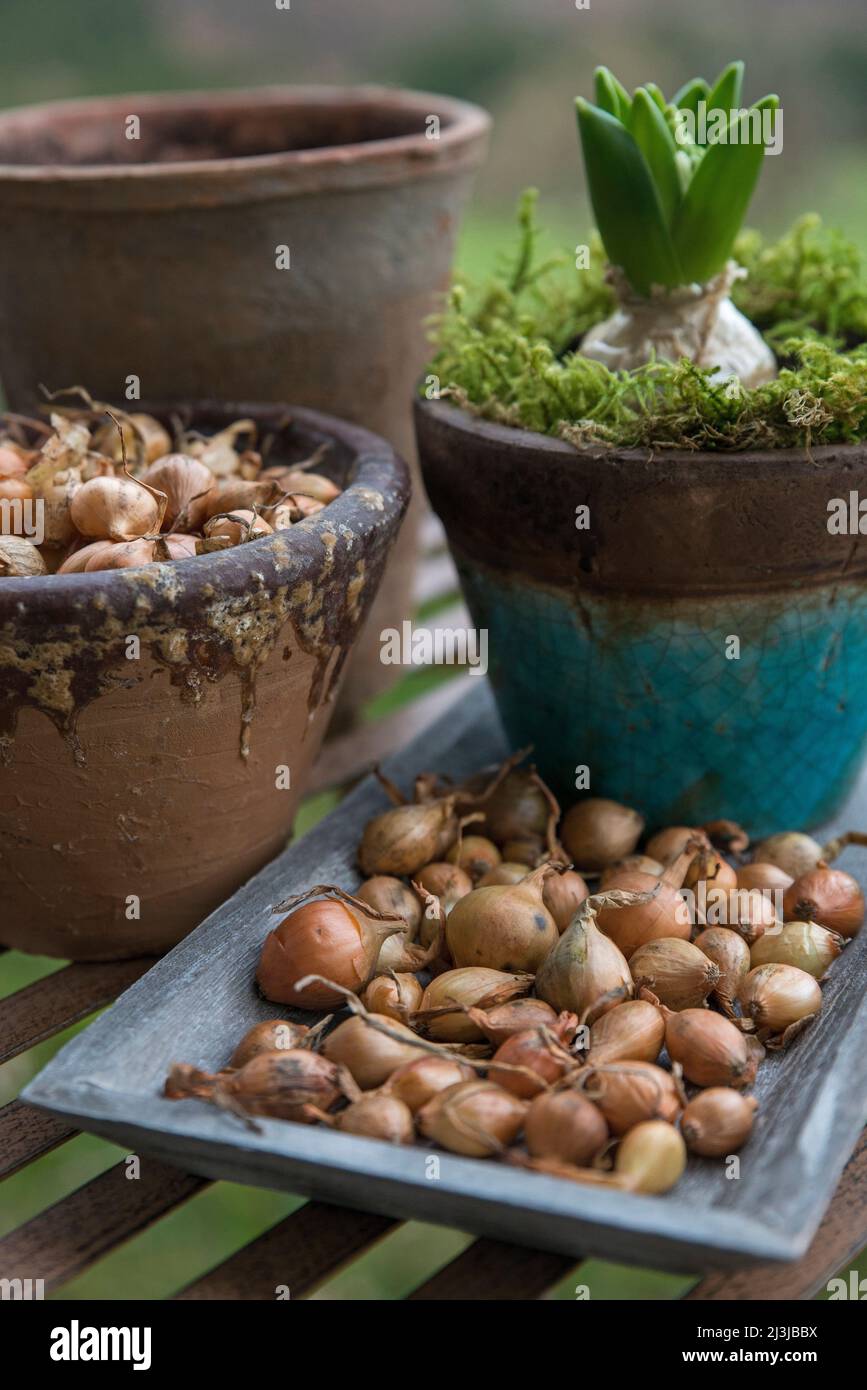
(316, 1241)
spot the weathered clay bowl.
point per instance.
(141, 782)
(158, 256)
(700, 645)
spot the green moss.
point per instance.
(507, 351)
(809, 282)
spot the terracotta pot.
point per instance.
(701, 645)
(157, 257)
(141, 780)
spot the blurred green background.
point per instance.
(523, 59)
(525, 62)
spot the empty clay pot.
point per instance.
(149, 717)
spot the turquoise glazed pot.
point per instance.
(697, 637)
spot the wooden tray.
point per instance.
(196, 1002)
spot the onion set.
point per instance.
(781, 1000)
(494, 1007)
(503, 927)
(326, 930)
(718, 1121)
(803, 944)
(116, 491)
(678, 973)
(830, 897)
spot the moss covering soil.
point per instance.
(507, 351)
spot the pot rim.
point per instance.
(376, 495)
(515, 436)
(464, 128)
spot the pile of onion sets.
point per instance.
(105, 490)
(559, 993)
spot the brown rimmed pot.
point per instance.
(686, 625)
(156, 257)
(150, 719)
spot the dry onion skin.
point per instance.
(418, 1081)
(528, 850)
(236, 527)
(659, 910)
(597, 832)
(791, 851)
(731, 955)
(274, 1035)
(710, 1049)
(749, 912)
(223, 497)
(585, 966)
(279, 1084)
(181, 479)
(678, 973)
(540, 1051)
(369, 1054)
(14, 461)
(467, 988)
(563, 894)
(667, 844)
(830, 897)
(392, 897)
(394, 995)
(399, 955)
(448, 882)
(115, 555)
(638, 863)
(517, 810)
(710, 869)
(330, 935)
(20, 558)
(628, 1093)
(717, 1122)
(466, 1057)
(406, 838)
(503, 1020)
(313, 485)
(780, 998)
(475, 854)
(116, 509)
(415, 833)
(566, 1126)
(504, 872)
(803, 944)
(378, 1116)
(651, 1158)
(126, 483)
(504, 927)
(633, 1031)
(765, 877)
(475, 1118)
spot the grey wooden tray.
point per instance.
(194, 1004)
